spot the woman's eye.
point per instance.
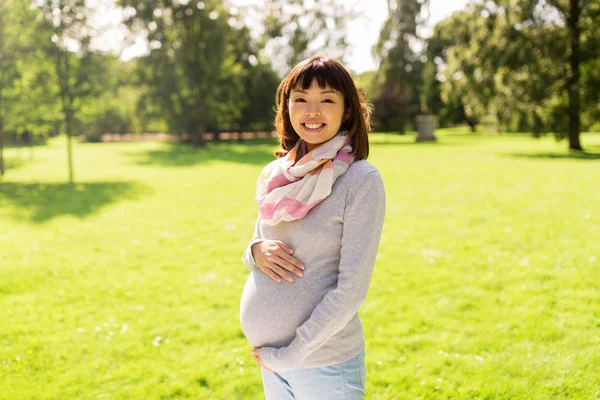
(328, 101)
(299, 100)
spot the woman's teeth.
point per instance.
(313, 126)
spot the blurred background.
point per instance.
(131, 136)
(192, 68)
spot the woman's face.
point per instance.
(316, 114)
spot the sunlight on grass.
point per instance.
(127, 284)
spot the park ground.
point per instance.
(126, 285)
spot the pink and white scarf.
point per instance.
(287, 190)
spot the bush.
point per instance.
(97, 121)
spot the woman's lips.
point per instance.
(308, 129)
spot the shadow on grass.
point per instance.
(587, 156)
(40, 202)
(251, 151)
(410, 140)
(14, 163)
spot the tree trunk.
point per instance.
(1, 146)
(470, 121)
(471, 124)
(1, 102)
(197, 136)
(573, 79)
(200, 128)
(69, 149)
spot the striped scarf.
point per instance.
(287, 190)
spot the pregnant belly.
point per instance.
(271, 312)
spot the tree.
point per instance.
(448, 106)
(193, 74)
(13, 38)
(298, 29)
(511, 62)
(79, 72)
(401, 67)
(461, 68)
(259, 84)
(571, 44)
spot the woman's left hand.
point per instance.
(256, 354)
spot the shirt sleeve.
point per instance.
(363, 223)
(247, 257)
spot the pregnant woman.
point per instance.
(313, 251)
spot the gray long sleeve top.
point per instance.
(314, 322)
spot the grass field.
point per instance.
(127, 284)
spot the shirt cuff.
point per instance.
(284, 358)
(248, 258)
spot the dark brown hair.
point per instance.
(326, 71)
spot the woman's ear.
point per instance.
(347, 115)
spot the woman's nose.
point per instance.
(313, 109)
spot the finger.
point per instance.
(265, 367)
(291, 259)
(284, 246)
(296, 270)
(268, 271)
(280, 271)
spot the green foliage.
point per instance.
(199, 64)
(298, 29)
(79, 73)
(113, 111)
(127, 284)
(104, 117)
(367, 82)
(529, 65)
(458, 70)
(15, 34)
(401, 67)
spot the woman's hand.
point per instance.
(256, 354)
(274, 258)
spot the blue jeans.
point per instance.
(344, 381)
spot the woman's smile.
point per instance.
(316, 113)
(313, 127)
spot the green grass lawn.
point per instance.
(127, 284)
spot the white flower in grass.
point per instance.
(524, 262)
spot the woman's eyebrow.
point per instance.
(323, 92)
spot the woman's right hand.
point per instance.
(274, 258)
